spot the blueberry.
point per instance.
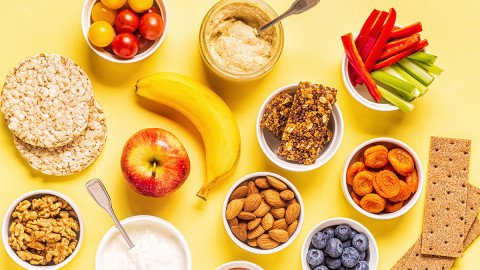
(360, 242)
(321, 267)
(362, 265)
(315, 257)
(333, 263)
(342, 232)
(353, 233)
(347, 243)
(334, 248)
(319, 240)
(350, 257)
(329, 232)
(362, 255)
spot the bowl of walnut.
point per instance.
(263, 213)
(42, 229)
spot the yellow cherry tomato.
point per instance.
(140, 6)
(102, 13)
(113, 4)
(101, 34)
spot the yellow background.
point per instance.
(313, 52)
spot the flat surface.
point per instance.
(313, 52)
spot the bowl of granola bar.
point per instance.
(300, 126)
(42, 229)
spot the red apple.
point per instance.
(154, 162)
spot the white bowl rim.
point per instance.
(337, 221)
(279, 247)
(252, 266)
(6, 225)
(85, 21)
(290, 166)
(418, 167)
(106, 237)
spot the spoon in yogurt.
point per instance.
(299, 6)
(100, 195)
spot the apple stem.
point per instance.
(154, 170)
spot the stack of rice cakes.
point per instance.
(49, 105)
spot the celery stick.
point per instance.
(423, 57)
(403, 88)
(407, 77)
(417, 92)
(395, 100)
(430, 68)
(417, 72)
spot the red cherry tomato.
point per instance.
(143, 43)
(152, 10)
(151, 26)
(126, 21)
(125, 45)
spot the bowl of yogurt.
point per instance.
(157, 244)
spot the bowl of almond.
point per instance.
(263, 213)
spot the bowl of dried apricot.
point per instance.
(263, 213)
(42, 229)
(383, 178)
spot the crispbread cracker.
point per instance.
(473, 233)
(46, 100)
(73, 157)
(445, 206)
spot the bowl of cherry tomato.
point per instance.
(124, 31)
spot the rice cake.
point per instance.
(46, 100)
(73, 157)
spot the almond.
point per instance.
(239, 192)
(278, 213)
(252, 202)
(252, 188)
(255, 232)
(243, 224)
(292, 227)
(233, 222)
(265, 242)
(252, 242)
(287, 195)
(279, 235)
(278, 184)
(252, 224)
(262, 182)
(267, 221)
(233, 209)
(262, 209)
(292, 213)
(280, 224)
(246, 215)
(272, 197)
(240, 233)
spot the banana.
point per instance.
(207, 111)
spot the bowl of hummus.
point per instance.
(230, 45)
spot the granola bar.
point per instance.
(306, 132)
(276, 114)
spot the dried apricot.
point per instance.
(353, 170)
(403, 194)
(363, 183)
(393, 206)
(376, 156)
(386, 184)
(412, 180)
(401, 161)
(389, 167)
(356, 198)
(373, 203)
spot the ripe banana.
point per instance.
(207, 111)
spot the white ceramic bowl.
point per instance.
(258, 250)
(390, 143)
(242, 264)
(7, 219)
(372, 253)
(86, 22)
(142, 219)
(270, 144)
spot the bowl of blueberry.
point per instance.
(339, 243)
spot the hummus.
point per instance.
(232, 42)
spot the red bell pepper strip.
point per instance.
(422, 44)
(409, 43)
(396, 42)
(392, 60)
(357, 63)
(406, 31)
(381, 41)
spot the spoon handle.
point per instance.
(100, 195)
(274, 21)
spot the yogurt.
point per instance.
(156, 247)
